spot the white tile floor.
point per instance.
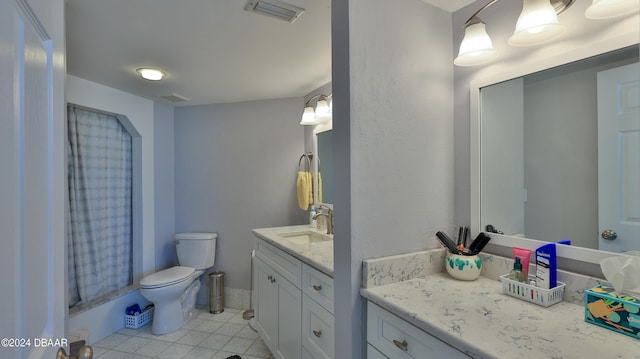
(207, 336)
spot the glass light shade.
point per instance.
(322, 107)
(476, 47)
(309, 117)
(605, 9)
(151, 74)
(537, 23)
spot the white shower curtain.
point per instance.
(100, 199)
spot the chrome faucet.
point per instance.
(328, 215)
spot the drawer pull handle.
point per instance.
(317, 333)
(401, 345)
(317, 287)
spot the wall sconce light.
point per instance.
(538, 23)
(322, 112)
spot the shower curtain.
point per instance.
(100, 200)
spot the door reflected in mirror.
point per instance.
(325, 166)
(560, 153)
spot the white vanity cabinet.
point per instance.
(317, 314)
(391, 337)
(278, 300)
(293, 305)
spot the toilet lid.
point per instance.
(166, 277)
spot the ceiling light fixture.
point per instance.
(606, 9)
(151, 74)
(322, 112)
(274, 8)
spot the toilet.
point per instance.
(173, 290)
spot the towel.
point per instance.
(319, 188)
(304, 189)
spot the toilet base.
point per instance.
(165, 319)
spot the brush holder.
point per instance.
(463, 267)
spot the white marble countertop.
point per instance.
(478, 319)
(318, 255)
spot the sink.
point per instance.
(306, 237)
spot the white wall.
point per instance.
(399, 173)
(235, 170)
(105, 319)
(164, 185)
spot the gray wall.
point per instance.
(393, 142)
(235, 170)
(164, 185)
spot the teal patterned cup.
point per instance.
(463, 267)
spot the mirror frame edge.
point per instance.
(587, 255)
(319, 128)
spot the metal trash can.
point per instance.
(216, 292)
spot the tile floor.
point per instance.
(207, 336)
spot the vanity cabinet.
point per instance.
(391, 337)
(317, 314)
(293, 305)
(278, 301)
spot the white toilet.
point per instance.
(173, 290)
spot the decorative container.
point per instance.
(463, 267)
(608, 309)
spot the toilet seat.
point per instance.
(167, 277)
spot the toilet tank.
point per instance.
(196, 250)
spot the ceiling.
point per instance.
(212, 50)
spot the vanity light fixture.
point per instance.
(151, 73)
(537, 23)
(606, 9)
(322, 112)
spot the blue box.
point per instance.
(605, 308)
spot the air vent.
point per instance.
(274, 8)
(174, 97)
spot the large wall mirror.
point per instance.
(556, 155)
(323, 163)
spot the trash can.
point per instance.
(216, 292)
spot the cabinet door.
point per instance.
(266, 305)
(289, 319)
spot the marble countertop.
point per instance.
(318, 255)
(478, 319)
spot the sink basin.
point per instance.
(306, 237)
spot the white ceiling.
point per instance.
(212, 50)
(450, 5)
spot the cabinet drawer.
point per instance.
(285, 264)
(373, 353)
(397, 338)
(317, 329)
(318, 286)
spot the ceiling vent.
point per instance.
(174, 97)
(274, 8)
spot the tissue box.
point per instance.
(605, 308)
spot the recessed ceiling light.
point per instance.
(151, 74)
